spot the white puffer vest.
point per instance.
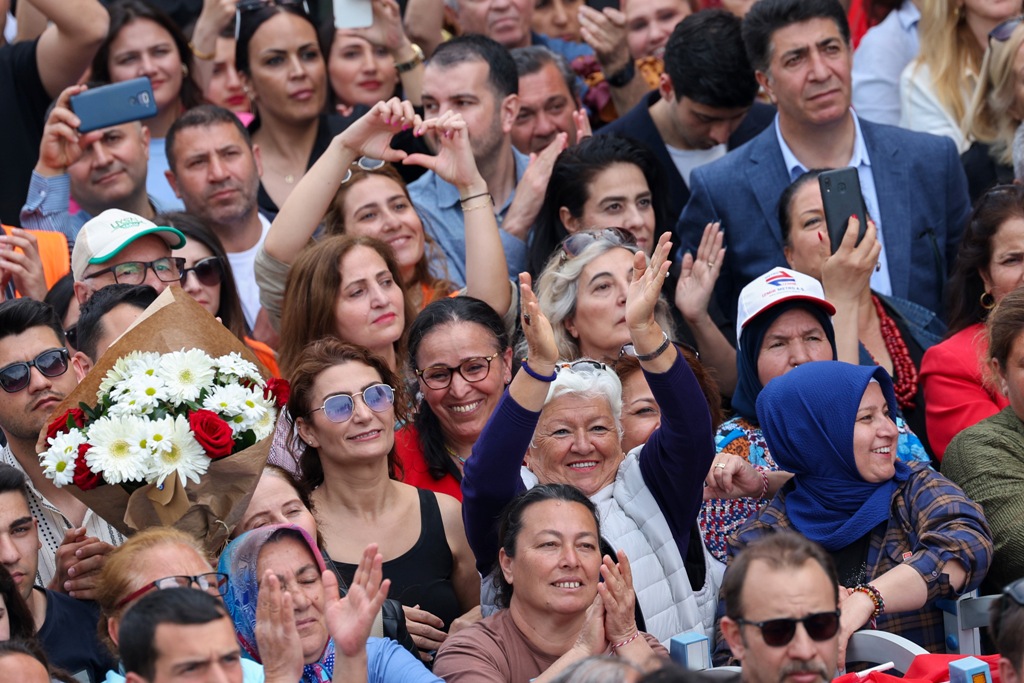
(632, 521)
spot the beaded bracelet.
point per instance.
(537, 376)
(876, 599)
(627, 641)
(764, 484)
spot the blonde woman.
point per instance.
(996, 110)
(936, 88)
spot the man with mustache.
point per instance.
(215, 170)
(781, 611)
(100, 170)
(35, 376)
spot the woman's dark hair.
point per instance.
(314, 359)
(60, 295)
(627, 366)
(449, 311)
(1005, 325)
(122, 13)
(18, 614)
(574, 171)
(250, 21)
(966, 287)
(786, 200)
(229, 310)
(30, 647)
(512, 523)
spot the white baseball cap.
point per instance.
(104, 236)
(776, 286)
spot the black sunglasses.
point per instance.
(778, 632)
(209, 271)
(244, 6)
(364, 164)
(71, 335)
(16, 376)
(572, 245)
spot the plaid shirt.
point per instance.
(931, 522)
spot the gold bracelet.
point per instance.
(204, 56)
(485, 205)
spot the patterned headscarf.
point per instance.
(239, 561)
(808, 416)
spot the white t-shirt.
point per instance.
(242, 265)
(688, 159)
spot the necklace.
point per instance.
(451, 452)
(905, 380)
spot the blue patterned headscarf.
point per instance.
(239, 562)
(808, 416)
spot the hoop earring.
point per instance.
(987, 301)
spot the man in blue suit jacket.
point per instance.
(913, 183)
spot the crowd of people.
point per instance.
(578, 358)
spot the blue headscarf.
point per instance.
(748, 385)
(239, 562)
(807, 417)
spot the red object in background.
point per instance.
(924, 669)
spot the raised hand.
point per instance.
(370, 135)
(847, 273)
(619, 600)
(540, 339)
(698, 274)
(605, 31)
(277, 636)
(645, 288)
(350, 619)
(387, 30)
(592, 639)
(62, 144)
(454, 161)
(522, 213)
(20, 262)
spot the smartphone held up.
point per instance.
(842, 198)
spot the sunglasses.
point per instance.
(584, 366)
(167, 269)
(778, 632)
(16, 376)
(71, 334)
(365, 164)
(245, 6)
(574, 244)
(340, 407)
(209, 271)
(472, 370)
(1003, 31)
(213, 583)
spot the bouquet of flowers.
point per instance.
(171, 437)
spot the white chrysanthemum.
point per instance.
(120, 372)
(233, 365)
(227, 402)
(185, 373)
(264, 426)
(113, 453)
(152, 436)
(58, 461)
(185, 456)
(145, 394)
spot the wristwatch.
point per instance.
(623, 76)
(416, 60)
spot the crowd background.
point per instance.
(569, 339)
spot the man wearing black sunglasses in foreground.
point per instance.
(781, 611)
(34, 378)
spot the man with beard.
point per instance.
(100, 170)
(476, 77)
(781, 611)
(34, 378)
(215, 170)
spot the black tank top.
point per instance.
(423, 575)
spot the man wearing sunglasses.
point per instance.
(781, 611)
(65, 627)
(34, 378)
(104, 317)
(124, 248)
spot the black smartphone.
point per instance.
(114, 104)
(840, 193)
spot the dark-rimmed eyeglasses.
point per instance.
(167, 269)
(244, 6)
(364, 164)
(209, 271)
(472, 370)
(778, 632)
(340, 407)
(50, 363)
(213, 583)
(572, 245)
(1003, 31)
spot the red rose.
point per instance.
(212, 433)
(85, 478)
(60, 425)
(279, 389)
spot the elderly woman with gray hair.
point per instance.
(565, 418)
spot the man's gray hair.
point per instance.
(533, 58)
